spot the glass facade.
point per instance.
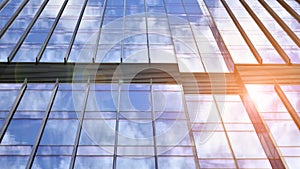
(151, 84)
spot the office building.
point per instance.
(149, 84)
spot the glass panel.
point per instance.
(135, 163)
(59, 132)
(65, 100)
(214, 145)
(17, 132)
(93, 162)
(217, 163)
(162, 101)
(102, 101)
(176, 162)
(13, 162)
(95, 150)
(135, 133)
(135, 151)
(135, 101)
(35, 100)
(55, 150)
(98, 132)
(172, 132)
(7, 98)
(51, 162)
(253, 149)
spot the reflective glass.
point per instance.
(13, 162)
(59, 132)
(217, 163)
(17, 132)
(135, 101)
(176, 162)
(102, 101)
(93, 162)
(135, 133)
(35, 100)
(98, 132)
(212, 145)
(51, 162)
(253, 149)
(7, 98)
(135, 163)
(65, 100)
(162, 101)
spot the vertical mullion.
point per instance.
(189, 125)
(146, 21)
(39, 136)
(21, 40)
(13, 17)
(153, 124)
(79, 128)
(3, 4)
(13, 110)
(288, 105)
(260, 127)
(225, 131)
(66, 58)
(215, 31)
(94, 55)
(170, 31)
(289, 9)
(278, 48)
(44, 45)
(194, 40)
(123, 32)
(243, 33)
(292, 35)
(117, 128)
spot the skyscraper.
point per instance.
(149, 84)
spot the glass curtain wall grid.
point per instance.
(152, 84)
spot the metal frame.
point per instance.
(292, 35)
(44, 45)
(94, 55)
(2, 5)
(289, 9)
(221, 44)
(79, 128)
(13, 110)
(153, 125)
(66, 58)
(277, 47)
(26, 32)
(115, 155)
(260, 128)
(42, 128)
(191, 135)
(13, 17)
(243, 33)
(288, 105)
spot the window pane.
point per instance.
(98, 132)
(7, 98)
(51, 162)
(35, 100)
(176, 162)
(13, 162)
(17, 132)
(135, 163)
(93, 162)
(68, 100)
(59, 132)
(214, 146)
(102, 101)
